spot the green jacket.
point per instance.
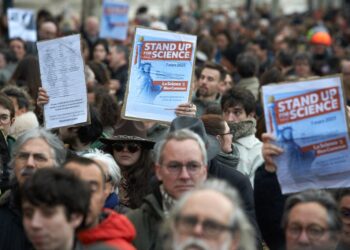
(147, 221)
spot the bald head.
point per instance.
(48, 30)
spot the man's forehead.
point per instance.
(4, 110)
(211, 72)
(235, 107)
(172, 146)
(211, 202)
(36, 145)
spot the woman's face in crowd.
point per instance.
(100, 53)
(126, 153)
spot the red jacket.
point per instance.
(116, 230)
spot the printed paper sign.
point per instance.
(114, 20)
(309, 122)
(21, 24)
(62, 75)
(160, 74)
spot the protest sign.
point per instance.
(160, 74)
(308, 119)
(62, 75)
(21, 23)
(114, 20)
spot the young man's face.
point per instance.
(208, 82)
(48, 227)
(236, 114)
(5, 120)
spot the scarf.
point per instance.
(229, 159)
(167, 201)
(243, 128)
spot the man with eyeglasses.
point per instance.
(35, 149)
(311, 220)
(7, 117)
(343, 198)
(210, 217)
(180, 165)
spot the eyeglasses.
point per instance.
(192, 167)
(313, 232)
(210, 228)
(38, 157)
(131, 147)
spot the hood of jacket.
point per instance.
(115, 230)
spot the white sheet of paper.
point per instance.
(62, 75)
(22, 24)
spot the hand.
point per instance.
(43, 98)
(186, 109)
(268, 151)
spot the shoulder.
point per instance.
(149, 210)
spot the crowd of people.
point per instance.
(207, 180)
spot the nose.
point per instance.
(184, 173)
(36, 220)
(198, 230)
(232, 117)
(303, 238)
(30, 161)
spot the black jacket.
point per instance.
(240, 182)
(12, 235)
(269, 206)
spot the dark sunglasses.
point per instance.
(130, 146)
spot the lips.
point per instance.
(184, 187)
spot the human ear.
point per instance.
(76, 219)
(157, 169)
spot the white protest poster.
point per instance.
(62, 75)
(21, 23)
(114, 20)
(308, 119)
(160, 74)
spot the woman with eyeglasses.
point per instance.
(132, 151)
(215, 125)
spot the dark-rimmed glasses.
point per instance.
(313, 232)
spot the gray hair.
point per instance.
(56, 145)
(239, 220)
(113, 168)
(321, 197)
(179, 135)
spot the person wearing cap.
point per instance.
(180, 165)
(324, 61)
(132, 152)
